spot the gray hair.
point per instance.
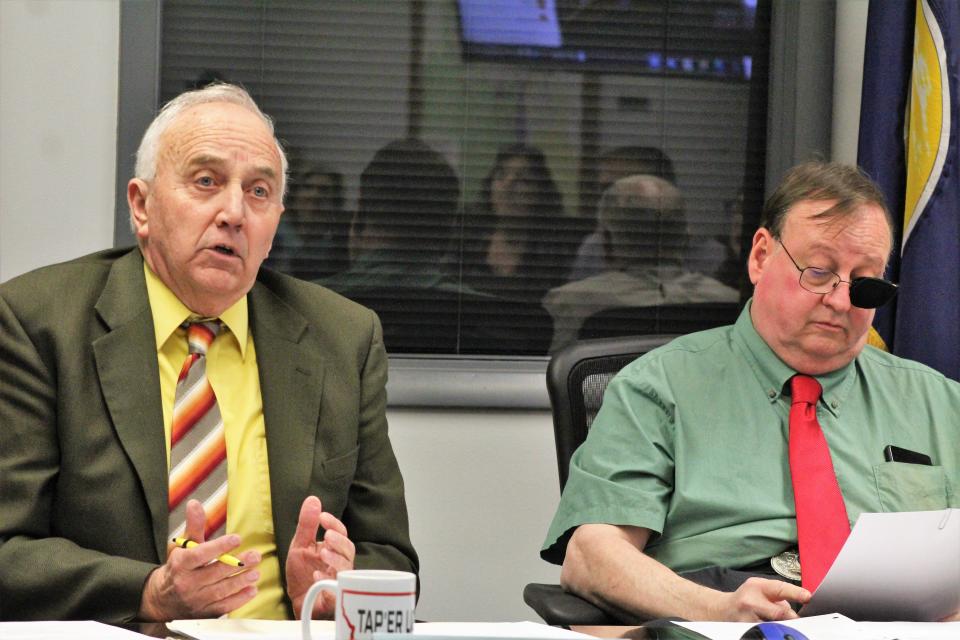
(849, 185)
(146, 167)
(643, 219)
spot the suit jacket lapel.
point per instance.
(126, 360)
(291, 385)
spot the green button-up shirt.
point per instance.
(692, 443)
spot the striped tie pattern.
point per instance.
(198, 450)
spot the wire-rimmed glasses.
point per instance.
(865, 292)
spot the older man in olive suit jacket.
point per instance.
(83, 506)
(89, 355)
(84, 478)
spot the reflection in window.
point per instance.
(311, 240)
(642, 230)
(448, 158)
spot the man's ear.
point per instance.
(137, 191)
(760, 252)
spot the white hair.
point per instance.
(146, 167)
(643, 216)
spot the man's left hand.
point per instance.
(310, 560)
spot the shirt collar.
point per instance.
(773, 373)
(169, 312)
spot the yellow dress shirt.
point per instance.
(234, 376)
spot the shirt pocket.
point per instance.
(911, 487)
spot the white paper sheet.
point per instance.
(229, 629)
(837, 627)
(245, 629)
(826, 627)
(78, 630)
(895, 566)
(494, 630)
(914, 630)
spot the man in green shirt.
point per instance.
(686, 466)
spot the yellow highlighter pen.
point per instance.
(226, 558)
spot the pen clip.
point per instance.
(946, 516)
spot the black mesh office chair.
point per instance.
(577, 376)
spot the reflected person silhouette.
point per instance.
(507, 246)
(644, 233)
(311, 240)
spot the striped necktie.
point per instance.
(198, 450)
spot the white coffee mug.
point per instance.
(368, 601)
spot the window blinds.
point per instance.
(451, 181)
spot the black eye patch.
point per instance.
(870, 293)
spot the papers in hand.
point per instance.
(895, 566)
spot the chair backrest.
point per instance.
(577, 376)
(667, 318)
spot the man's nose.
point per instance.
(839, 298)
(231, 206)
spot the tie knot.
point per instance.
(805, 389)
(200, 335)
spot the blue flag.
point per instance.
(908, 145)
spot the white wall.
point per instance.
(847, 76)
(481, 488)
(58, 121)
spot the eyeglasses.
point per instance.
(866, 293)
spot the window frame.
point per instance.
(799, 114)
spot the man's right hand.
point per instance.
(760, 599)
(606, 565)
(191, 584)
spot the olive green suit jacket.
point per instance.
(83, 478)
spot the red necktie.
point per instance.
(822, 525)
